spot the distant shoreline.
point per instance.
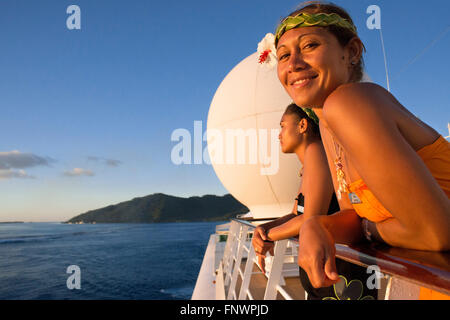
(5, 222)
(154, 222)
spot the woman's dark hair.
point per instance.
(300, 114)
(343, 35)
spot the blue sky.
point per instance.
(106, 98)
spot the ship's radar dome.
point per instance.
(242, 130)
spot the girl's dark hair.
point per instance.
(300, 114)
(343, 35)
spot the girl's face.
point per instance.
(311, 65)
(291, 134)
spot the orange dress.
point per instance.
(436, 157)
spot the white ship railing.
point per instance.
(239, 246)
(404, 271)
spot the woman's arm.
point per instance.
(260, 240)
(286, 230)
(317, 244)
(362, 119)
(319, 234)
(260, 233)
(393, 232)
(344, 226)
(317, 189)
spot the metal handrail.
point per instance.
(248, 223)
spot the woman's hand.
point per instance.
(261, 245)
(317, 253)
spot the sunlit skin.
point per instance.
(316, 185)
(379, 139)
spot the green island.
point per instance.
(159, 207)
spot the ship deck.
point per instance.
(258, 284)
(405, 273)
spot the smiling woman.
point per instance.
(380, 155)
(327, 32)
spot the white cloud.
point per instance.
(19, 160)
(112, 162)
(108, 162)
(10, 174)
(78, 172)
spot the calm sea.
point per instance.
(116, 261)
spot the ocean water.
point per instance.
(116, 261)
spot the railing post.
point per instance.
(242, 238)
(276, 270)
(247, 273)
(228, 253)
(228, 244)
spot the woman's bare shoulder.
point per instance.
(315, 149)
(315, 155)
(355, 98)
(366, 103)
(358, 88)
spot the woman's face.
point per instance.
(311, 65)
(290, 135)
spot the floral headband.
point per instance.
(304, 19)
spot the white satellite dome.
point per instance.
(251, 100)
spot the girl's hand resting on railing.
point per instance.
(262, 245)
(317, 253)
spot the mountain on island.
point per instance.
(160, 207)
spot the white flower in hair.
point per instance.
(267, 51)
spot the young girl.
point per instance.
(300, 135)
(391, 171)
